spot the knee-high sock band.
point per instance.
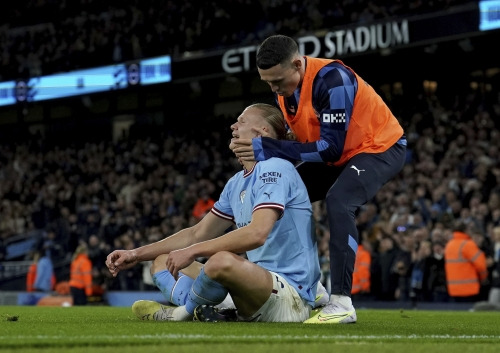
(205, 291)
(175, 292)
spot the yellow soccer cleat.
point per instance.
(154, 311)
(333, 313)
(322, 296)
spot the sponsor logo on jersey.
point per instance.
(270, 177)
(242, 224)
(336, 116)
(242, 195)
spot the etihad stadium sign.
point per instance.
(358, 40)
(332, 44)
(382, 38)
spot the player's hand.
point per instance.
(179, 259)
(120, 260)
(260, 131)
(238, 143)
(243, 149)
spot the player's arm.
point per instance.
(237, 241)
(209, 227)
(242, 239)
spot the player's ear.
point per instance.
(297, 64)
(269, 132)
(258, 130)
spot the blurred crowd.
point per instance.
(40, 37)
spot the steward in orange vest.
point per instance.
(80, 278)
(203, 205)
(361, 274)
(30, 278)
(465, 266)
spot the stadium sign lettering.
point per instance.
(338, 43)
(363, 38)
(238, 60)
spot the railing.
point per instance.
(10, 269)
(13, 273)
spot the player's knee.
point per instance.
(219, 265)
(159, 264)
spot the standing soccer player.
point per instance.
(349, 142)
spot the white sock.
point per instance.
(343, 300)
(180, 314)
(227, 303)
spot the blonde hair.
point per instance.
(274, 117)
(80, 249)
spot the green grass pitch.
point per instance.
(96, 329)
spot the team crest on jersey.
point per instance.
(270, 177)
(242, 195)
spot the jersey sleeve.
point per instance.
(272, 185)
(334, 90)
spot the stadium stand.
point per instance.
(42, 37)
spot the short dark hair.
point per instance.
(460, 225)
(275, 50)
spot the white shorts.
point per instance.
(283, 305)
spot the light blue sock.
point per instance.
(175, 292)
(205, 291)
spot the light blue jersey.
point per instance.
(44, 272)
(290, 249)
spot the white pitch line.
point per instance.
(257, 337)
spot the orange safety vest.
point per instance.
(372, 129)
(465, 266)
(201, 207)
(361, 274)
(80, 275)
(30, 278)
